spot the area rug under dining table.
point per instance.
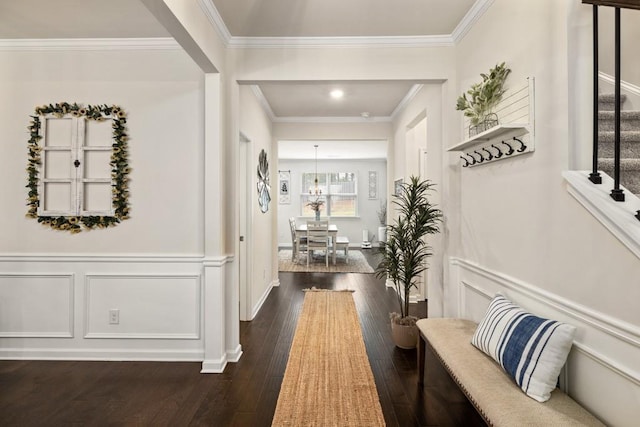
(357, 263)
(328, 380)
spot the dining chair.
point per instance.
(298, 243)
(318, 238)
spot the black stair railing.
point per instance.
(594, 176)
(617, 193)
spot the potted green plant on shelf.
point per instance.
(404, 256)
(482, 98)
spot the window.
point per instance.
(75, 170)
(77, 166)
(339, 192)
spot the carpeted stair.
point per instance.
(629, 142)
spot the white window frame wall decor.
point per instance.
(76, 217)
(326, 194)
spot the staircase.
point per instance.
(629, 142)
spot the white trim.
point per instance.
(629, 375)
(120, 258)
(263, 102)
(415, 89)
(196, 335)
(149, 43)
(216, 20)
(617, 217)
(263, 298)
(469, 20)
(214, 366)
(35, 334)
(328, 119)
(102, 354)
(235, 354)
(626, 86)
(444, 40)
(614, 327)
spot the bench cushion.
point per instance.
(532, 350)
(494, 394)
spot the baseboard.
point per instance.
(263, 298)
(214, 366)
(234, 355)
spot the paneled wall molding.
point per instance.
(48, 279)
(218, 261)
(165, 289)
(605, 349)
(607, 324)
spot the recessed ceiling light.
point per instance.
(337, 93)
(365, 114)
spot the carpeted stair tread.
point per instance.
(606, 101)
(624, 115)
(625, 136)
(629, 120)
(625, 164)
(627, 149)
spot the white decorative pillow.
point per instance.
(532, 350)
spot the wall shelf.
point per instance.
(489, 134)
(513, 137)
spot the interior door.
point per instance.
(244, 227)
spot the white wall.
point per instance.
(367, 218)
(420, 127)
(149, 267)
(518, 221)
(256, 126)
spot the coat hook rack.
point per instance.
(522, 147)
(511, 150)
(473, 159)
(490, 155)
(466, 162)
(500, 153)
(482, 159)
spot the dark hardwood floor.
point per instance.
(47, 393)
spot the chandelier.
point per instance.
(316, 190)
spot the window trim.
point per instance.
(327, 194)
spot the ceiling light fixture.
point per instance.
(316, 191)
(337, 93)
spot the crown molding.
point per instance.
(156, 43)
(216, 21)
(329, 119)
(353, 42)
(406, 100)
(263, 102)
(444, 40)
(469, 20)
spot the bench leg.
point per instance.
(421, 351)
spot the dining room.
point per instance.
(339, 183)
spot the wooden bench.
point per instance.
(490, 390)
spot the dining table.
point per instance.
(301, 231)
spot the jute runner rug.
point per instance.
(328, 379)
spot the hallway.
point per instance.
(150, 393)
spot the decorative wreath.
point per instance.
(119, 167)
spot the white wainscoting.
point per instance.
(150, 306)
(57, 307)
(603, 369)
(36, 305)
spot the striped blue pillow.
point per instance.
(532, 350)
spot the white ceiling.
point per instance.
(341, 18)
(332, 149)
(255, 19)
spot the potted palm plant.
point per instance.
(404, 256)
